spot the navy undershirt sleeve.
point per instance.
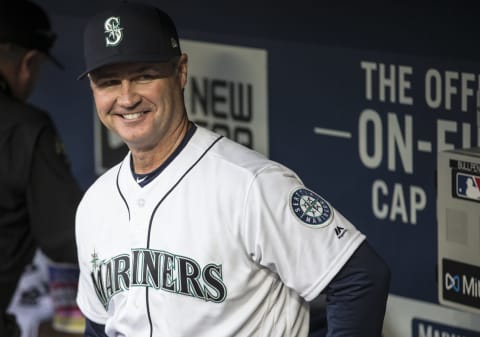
(93, 329)
(356, 297)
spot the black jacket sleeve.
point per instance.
(53, 195)
(356, 297)
(93, 329)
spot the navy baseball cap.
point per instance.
(25, 24)
(129, 32)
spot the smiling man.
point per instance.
(193, 234)
(143, 103)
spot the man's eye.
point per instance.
(144, 78)
(107, 83)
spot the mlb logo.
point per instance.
(467, 186)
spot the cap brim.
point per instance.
(55, 61)
(125, 59)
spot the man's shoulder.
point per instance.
(235, 157)
(14, 112)
(107, 178)
(102, 189)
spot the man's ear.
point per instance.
(29, 65)
(28, 70)
(183, 70)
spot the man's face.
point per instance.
(141, 102)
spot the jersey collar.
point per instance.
(144, 179)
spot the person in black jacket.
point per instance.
(38, 193)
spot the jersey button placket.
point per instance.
(139, 220)
(141, 202)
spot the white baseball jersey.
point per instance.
(224, 242)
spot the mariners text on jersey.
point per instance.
(159, 270)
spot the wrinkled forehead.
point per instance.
(132, 68)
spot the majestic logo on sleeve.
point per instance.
(159, 270)
(310, 208)
(113, 31)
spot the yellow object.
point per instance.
(63, 282)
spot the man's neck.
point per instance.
(145, 161)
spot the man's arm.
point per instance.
(52, 198)
(356, 297)
(93, 329)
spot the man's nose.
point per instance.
(128, 97)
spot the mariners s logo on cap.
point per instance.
(129, 32)
(113, 31)
(310, 208)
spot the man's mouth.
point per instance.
(132, 115)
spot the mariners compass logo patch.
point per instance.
(310, 208)
(113, 31)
